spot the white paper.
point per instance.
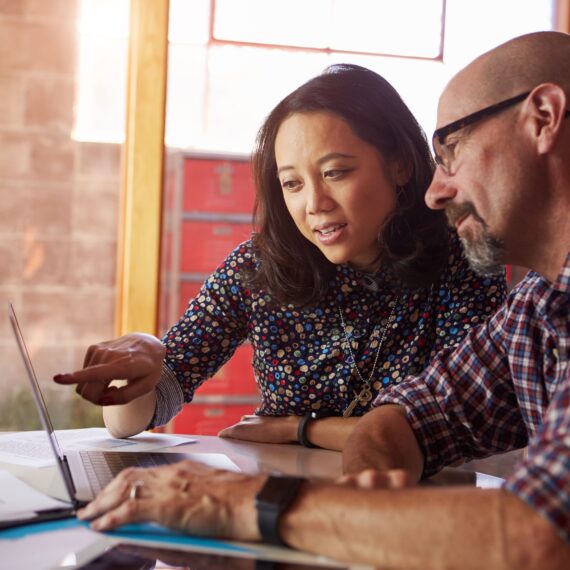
(47, 550)
(215, 460)
(32, 447)
(17, 499)
(146, 441)
(485, 481)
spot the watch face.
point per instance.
(273, 499)
(279, 490)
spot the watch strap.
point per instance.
(271, 502)
(302, 430)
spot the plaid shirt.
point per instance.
(507, 385)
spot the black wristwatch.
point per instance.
(302, 429)
(271, 502)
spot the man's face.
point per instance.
(479, 191)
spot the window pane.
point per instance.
(471, 31)
(406, 27)
(218, 98)
(186, 97)
(189, 21)
(291, 23)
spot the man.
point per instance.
(503, 149)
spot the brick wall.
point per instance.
(58, 197)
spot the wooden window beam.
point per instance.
(138, 272)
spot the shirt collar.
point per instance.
(352, 278)
(562, 282)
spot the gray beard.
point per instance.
(484, 254)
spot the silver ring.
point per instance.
(134, 491)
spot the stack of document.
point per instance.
(32, 447)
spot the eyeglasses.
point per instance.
(444, 154)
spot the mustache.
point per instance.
(456, 212)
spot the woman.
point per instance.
(349, 284)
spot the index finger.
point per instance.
(96, 373)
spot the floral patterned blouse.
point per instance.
(302, 360)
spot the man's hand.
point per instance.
(185, 496)
(383, 440)
(136, 358)
(264, 429)
(373, 479)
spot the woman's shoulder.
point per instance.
(458, 267)
(241, 257)
(456, 260)
(460, 277)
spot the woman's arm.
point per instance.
(123, 374)
(327, 433)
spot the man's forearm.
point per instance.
(423, 528)
(383, 440)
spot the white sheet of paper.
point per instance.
(215, 460)
(146, 441)
(485, 481)
(17, 498)
(47, 550)
(32, 447)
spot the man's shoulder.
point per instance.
(531, 283)
(527, 293)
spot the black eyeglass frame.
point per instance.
(443, 132)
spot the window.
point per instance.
(231, 61)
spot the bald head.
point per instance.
(512, 68)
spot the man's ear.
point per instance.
(547, 105)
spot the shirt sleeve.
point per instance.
(463, 299)
(169, 399)
(542, 477)
(463, 406)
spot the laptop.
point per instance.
(84, 472)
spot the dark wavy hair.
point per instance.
(413, 240)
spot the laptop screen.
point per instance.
(39, 401)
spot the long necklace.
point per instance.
(365, 394)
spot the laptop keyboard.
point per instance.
(103, 466)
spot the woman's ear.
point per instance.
(402, 172)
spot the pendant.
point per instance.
(365, 396)
(350, 408)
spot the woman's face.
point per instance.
(337, 187)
